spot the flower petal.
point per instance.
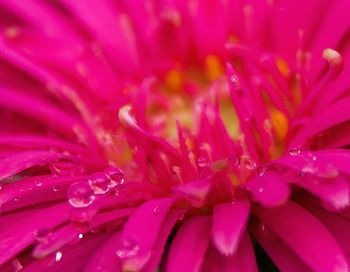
(229, 222)
(243, 260)
(140, 232)
(269, 190)
(304, 234)
(188, 248)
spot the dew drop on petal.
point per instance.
(17, 266)
(42, 235)
(261, 171)
(99, 183)
(260, 190)
(80, 194)
(203, 162)
(294, 152)
(115, 176)
(58, 256)
(80, 235)
(120, 190)
(309, 169)
(129, 248)
(38, 184)
(156, 210)
(247, 162)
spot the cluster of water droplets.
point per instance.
(129, 248)
(83, 193)
(314, 166)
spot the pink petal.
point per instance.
(104, 258)
(229, 223)
(188, 248)
(195, 192)
(159, 246)
(269, 190)
(282, 256)
(243, 260)
(141, 232)
(304, 234)
(22, 234)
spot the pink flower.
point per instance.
(174, 135)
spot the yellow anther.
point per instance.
(174, 79)
(282, 66)
(279, 123)
(214, 67)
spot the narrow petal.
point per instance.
(229, 222)
(243, 260)
(302, 232)
(282, 256)
(269, 190)
(141, 231)
(188, 249)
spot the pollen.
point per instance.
(174, 79)
(282, 66)
(214, 68)
(279, 123)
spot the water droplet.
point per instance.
(203, 162)
(17, 266)
(261, 171)
(115, 176)
(266, 231)
(56, 188)
(80, 194)
(261, 189)
(235, 81)
(38, 184)
(42, 235)
(156, 210)
(99, 183)
(120, 190)
(81, 236)
(129, 248)
(58, 256)
(309, 169)
(294, 152)
(247, 162)
(181, 216)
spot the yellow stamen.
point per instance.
(174, 79)
(279, 123)
(214, 67)
(282, 66)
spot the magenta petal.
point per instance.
(163, 236)
(195, 192)
(23, 160)
(282, 256)
(243, 260)
(103, 258)
(188, 249)
(269, 190)
(22, 233)
(304, 234)
(141, 232)
(229, 222)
